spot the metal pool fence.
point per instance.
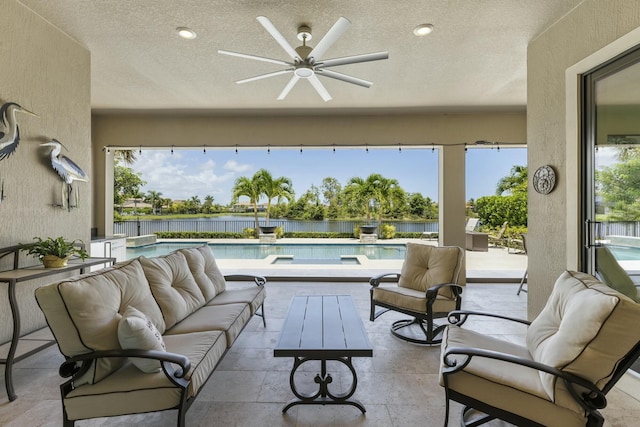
(141, 227)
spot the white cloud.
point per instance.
(179, 177)
(234, 166)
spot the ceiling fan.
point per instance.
(306, 62)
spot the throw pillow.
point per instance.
(135, 331)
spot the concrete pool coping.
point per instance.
(497, 265)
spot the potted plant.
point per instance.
(55, 252)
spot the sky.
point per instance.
(188, 173)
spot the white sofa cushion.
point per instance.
(83, 313)
(585, 328)
(205, 271)
(135, 331)
(173, 286)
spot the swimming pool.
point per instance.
(625, 253)
(299, 251)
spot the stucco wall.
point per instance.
(48, 73)
(573, 43)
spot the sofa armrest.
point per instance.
(375, 280)
(77, 366)
(432, 292)
(458, 317)
(591, 399)
(259, 280)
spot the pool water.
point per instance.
(299, 251)
(625, 253)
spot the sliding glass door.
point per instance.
(611, 163)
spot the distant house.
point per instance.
(248, 207)
(135, 203)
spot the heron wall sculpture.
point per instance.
(10, 138)
(68, 170)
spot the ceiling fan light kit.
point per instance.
(306, 62)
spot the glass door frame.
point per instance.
(588, 152)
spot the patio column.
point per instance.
(451, 189)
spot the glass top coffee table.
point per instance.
(323, 328)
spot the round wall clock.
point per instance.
(544, 179)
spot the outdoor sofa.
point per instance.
(146, 334)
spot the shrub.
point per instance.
(387, 231)
(249, 233)
(279, 232)
(316, 235)
(493, 211)
(198, 235)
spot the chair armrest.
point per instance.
(590, 400)
(432, 292)
(458, 317)
(259, 280)
(77, 366)
(375, 280)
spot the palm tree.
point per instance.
(127, 156)
(385, 191)
(363, 192)
(194, 204)
(153, 197)
(515, 182)
(208, 204)
(274, 188)
(250, 187)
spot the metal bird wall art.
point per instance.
(10, 135)
(68, 170)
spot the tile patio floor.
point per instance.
(398, 386)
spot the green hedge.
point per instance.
(317, 235)
(198, 235)
(248, 234)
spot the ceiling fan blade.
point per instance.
(319, 87)
(264, 76)
(330, 38)
(353, 59)
(288, 87)
(279, 38)
(344, 77)
(257, 58)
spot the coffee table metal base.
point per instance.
(323, 396)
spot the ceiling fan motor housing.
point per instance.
(304, 33)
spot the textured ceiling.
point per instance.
(475, 58)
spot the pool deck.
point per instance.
(496, 265)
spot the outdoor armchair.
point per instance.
(578, 347)
(498, 239)
(428, 287)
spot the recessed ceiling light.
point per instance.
(186, 33)
(423, 30)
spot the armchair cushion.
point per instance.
(585, 328)
(501, 384)
(135, 331)
(425, 266)
(410, 299)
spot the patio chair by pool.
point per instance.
(499, 238)
(428, 287)
(526, 272)
(578, 347)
